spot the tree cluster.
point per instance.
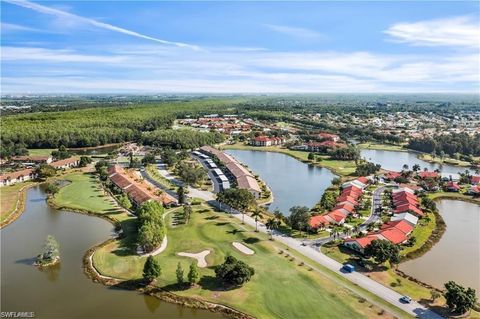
(151, 228)
(234, 272)
(450, 144)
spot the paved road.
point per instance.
(387, 294)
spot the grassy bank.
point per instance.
(152, 171)
(454, 196)
(342, 168)
(85, 193)
(447, 160)
(382, 147)
(12, 201)
(281, 287)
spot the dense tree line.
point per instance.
(448, 144)
(102, 125)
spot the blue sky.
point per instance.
(223, 47)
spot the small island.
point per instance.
(50, 255)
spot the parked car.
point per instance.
(348, 268)
(406, 299)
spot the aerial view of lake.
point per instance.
(457, 255)
(291, 181)
(64, 291)
(394, 161)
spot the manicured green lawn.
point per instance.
(40, 151)
(422, 232)
(447, 160)
(152, 171)
(85, 193)
(382, 147)
(280, 288)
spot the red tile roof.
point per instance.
(408, 207)
(346, 198)
(475, 179)
(316, 221)
(345, 205)
(60, 163)
(428, 174)
(15, 175)
(453, 185)
(363, 180)
(392, 175)
(394, 235)
(29, 158)
(401, 225)
(363, 241)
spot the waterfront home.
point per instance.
(266, 141)
(409, 218)
(329, 137)
(452, 187)
(137, 192)
(475, 180)
(391, 175)
(427, 174)
(474, 190)
(319, 147)
(236, 171)
(66, 163)
(17, 177)
(402, 225)
(409, 208)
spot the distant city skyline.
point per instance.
(239, 47)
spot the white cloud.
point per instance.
(55, 56)
(296, 32)
(10, 27)
(170, 69)
(456, 31)
(82, 20)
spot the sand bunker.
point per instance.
(200, 257)
(244, 249)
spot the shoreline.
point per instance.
(19, 206)
(91, 272)
(285, 151)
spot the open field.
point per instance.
(85, 193)
(382, 147)
(342, 168)
(279, 288)
(9, 197)
(40, 151)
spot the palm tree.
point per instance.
(416, 167)
(278, 215)
(405, 167)
(271, 224)
(257, 213)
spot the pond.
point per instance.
(291, 181)
(64, 291)
(394, 161)
(457, 255)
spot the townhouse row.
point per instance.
(345, 206)
(243, 178)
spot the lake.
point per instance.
(291, 181)
(64, 291)
(394, 161)
(457, 255)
